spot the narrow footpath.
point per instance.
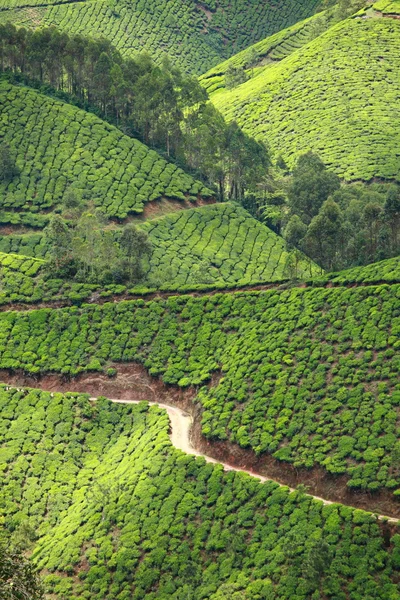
(181, 425)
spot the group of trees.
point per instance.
(165, 108)
(339, 226)
(89, 251)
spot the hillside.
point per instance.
(315, 98)
(384, 271)
(59, 147)
(309, 376)
(221, 244)
(196, 35)
(218, 245)
(115, 512)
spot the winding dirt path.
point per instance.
(181, 426)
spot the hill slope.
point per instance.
(309, 376)
(216, 245)
(336, 95)
(118, 513)
(221, 243)
(60, 147)
(196, 35)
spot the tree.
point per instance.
(59, 236)
(8, 166)
(372, 214)
(295, 231)
(323, 240)
(292, 263)
(311, 186)
(392, 214)
(18, 579)
(135, 245)
(234, 76)
(95, 249)
(252, 59)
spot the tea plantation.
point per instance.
(385, 271)
(59, 147)
(196, 35)
(273, 48)
(216, 244)
(332, 96)
(115, 511)
(308, 375)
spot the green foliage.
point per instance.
(218, 245)
(310, 186)
(308, 375)
(18, 580)
(314, 99)
(62, 148)
(119, 513)
(196, 35)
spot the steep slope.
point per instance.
(196, 35)
(119, 513)
(337, 96)
(59, 147)
(271, 49)
(309, 376)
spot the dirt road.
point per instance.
(181, 424)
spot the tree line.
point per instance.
(165, 108)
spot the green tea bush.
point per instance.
(308, 375)
(314, 99)
(114, 511)
(59, 147)
(196, 35)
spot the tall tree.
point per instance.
(323, 241)
(135, 245)
(392, 214)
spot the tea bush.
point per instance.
(114, 511)
(308, 375)
(196, 35)
(59, 147)
(314, 99)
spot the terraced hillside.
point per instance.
(217, 245)
(117, 512)
(196, 35)
(309, 376)
(384, 271)
(59, 147)
(271, 49)
(315, 99)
